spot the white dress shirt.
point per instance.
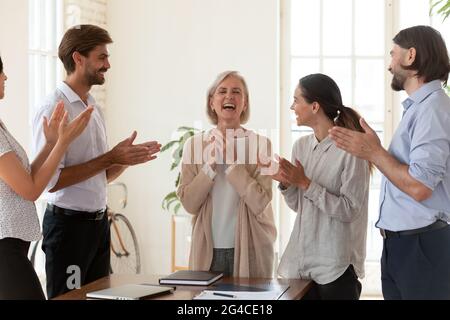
(88, 195)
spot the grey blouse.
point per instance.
(18, 217)
(331, 224)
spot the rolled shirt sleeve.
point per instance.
(430, 148)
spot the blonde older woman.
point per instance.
(223, 188)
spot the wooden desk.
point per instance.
(297, 288)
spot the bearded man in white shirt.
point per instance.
(75, 227)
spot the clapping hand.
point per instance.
(212, 154)
(51, 127)
(127, 154)
(153, 148)
(272, 168)
(294, 174)
(67, 132)
(365, 145)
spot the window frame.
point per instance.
(391, 99)
(39, 84)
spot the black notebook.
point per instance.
(189, 277)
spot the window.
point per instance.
(351, 49)
(350, 41)
(45, 29)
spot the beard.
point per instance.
(94, 78)
(398, 81)
(397, 84)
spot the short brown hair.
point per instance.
(432, 62)
(83, 39)
(212, 89)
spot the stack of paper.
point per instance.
(273, 294)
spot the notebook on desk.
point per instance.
(130, 292)
(238, 292)
(189, 277)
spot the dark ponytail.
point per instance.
(348, 118)
(322, 89)
(1, 65)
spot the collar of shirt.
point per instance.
(421, 94)
(323, 145)
(72, 96)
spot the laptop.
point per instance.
(130, 292)
(190, 277)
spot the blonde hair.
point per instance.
(212, 89)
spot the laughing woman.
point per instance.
(233, 226)
(20, 185)
(328, 188)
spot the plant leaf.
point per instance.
(171, 195)
(177, 182)
(178, 153)
(169, 145)
(444, 9)
(434, 6)
(169, 203)
(181, 129)
(168, 198)
(174, 165)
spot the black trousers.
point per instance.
(346, 287)
(417, 266)
(18, 280)
(73, 242)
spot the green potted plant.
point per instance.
(171, 202)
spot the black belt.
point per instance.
(82, 215)
(439, 224)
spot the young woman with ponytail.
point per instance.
(328, 188)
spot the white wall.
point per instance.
(14, 53)
(166, 53)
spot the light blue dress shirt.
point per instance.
(422, 141)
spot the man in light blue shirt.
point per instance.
(415, 190)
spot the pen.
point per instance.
(224, 295)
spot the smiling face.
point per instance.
(96, 64)
(303, 110)
(229, 100)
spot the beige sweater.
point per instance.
(255, 228)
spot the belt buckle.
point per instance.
(383, 233)
(99, 215)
